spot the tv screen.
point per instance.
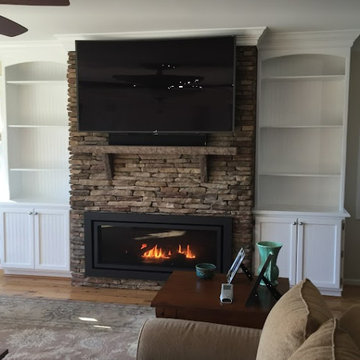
(156, 86)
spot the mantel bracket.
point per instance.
(109, 165)
(203, 168)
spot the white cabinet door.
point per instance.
(51, 239)
(319, 251)
(18, 238)
(283, 230)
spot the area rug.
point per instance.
(45, 329)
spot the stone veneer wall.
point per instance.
(166, 184)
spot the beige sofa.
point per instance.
(300, 326)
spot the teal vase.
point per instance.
(265, 249)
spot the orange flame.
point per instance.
(159, 253)
(155, 253)
(188, 253)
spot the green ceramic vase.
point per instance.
(265, 249)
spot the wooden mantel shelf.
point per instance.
(157, 150)
(110, 150)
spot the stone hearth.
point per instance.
(170, 184)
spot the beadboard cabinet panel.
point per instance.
(18, 238)
(35, 241)
(51, 246)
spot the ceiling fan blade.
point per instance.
(36, 2)
(11, 28)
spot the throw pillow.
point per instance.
(350, 321)
(330, 342)
(297, 314)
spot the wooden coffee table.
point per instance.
(185, 296)
(3, 352)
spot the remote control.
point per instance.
(226, 295)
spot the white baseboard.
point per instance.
(50, 273)
(330, 292)
(355, 282)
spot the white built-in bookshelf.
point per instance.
(301, 149)
(37, 132)
(34, 214)
(303, 83)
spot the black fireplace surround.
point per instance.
(148, 246)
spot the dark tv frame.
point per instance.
(162, 137)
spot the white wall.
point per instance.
(352, 184)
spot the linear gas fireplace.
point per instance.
(124, 245)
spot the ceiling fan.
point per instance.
(11, 28)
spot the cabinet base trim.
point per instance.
(66, 274)
(332, 292)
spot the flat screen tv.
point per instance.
(156, 86)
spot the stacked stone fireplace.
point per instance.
(146, 183)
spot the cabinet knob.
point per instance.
(294, 223)
(30, 213)
(35, 213)
(301, 223)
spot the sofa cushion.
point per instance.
(178, 339)
(350, 321)
(329, 342)
(297, 314)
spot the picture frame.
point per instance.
(235, 266)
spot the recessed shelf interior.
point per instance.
(36, 82)
(37, 134)
(269, 173)
(301, 126)
(304, 65)
(298, 193)
(302, 102)
(40, 186)
(36, 126)
(38, 147)
(303, 77)
(36, 104)
(304, 150)
(38, 169)
(36, 71)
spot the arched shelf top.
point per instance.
(36, 71)
(304, 65)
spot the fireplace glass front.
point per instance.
(152, 246)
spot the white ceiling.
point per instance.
(106, 16)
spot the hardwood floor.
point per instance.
(59, 288)
(350, 297)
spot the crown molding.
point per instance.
(19, 51)
(308, 39)
(262, 37)
(244, 36)
(11, 45)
